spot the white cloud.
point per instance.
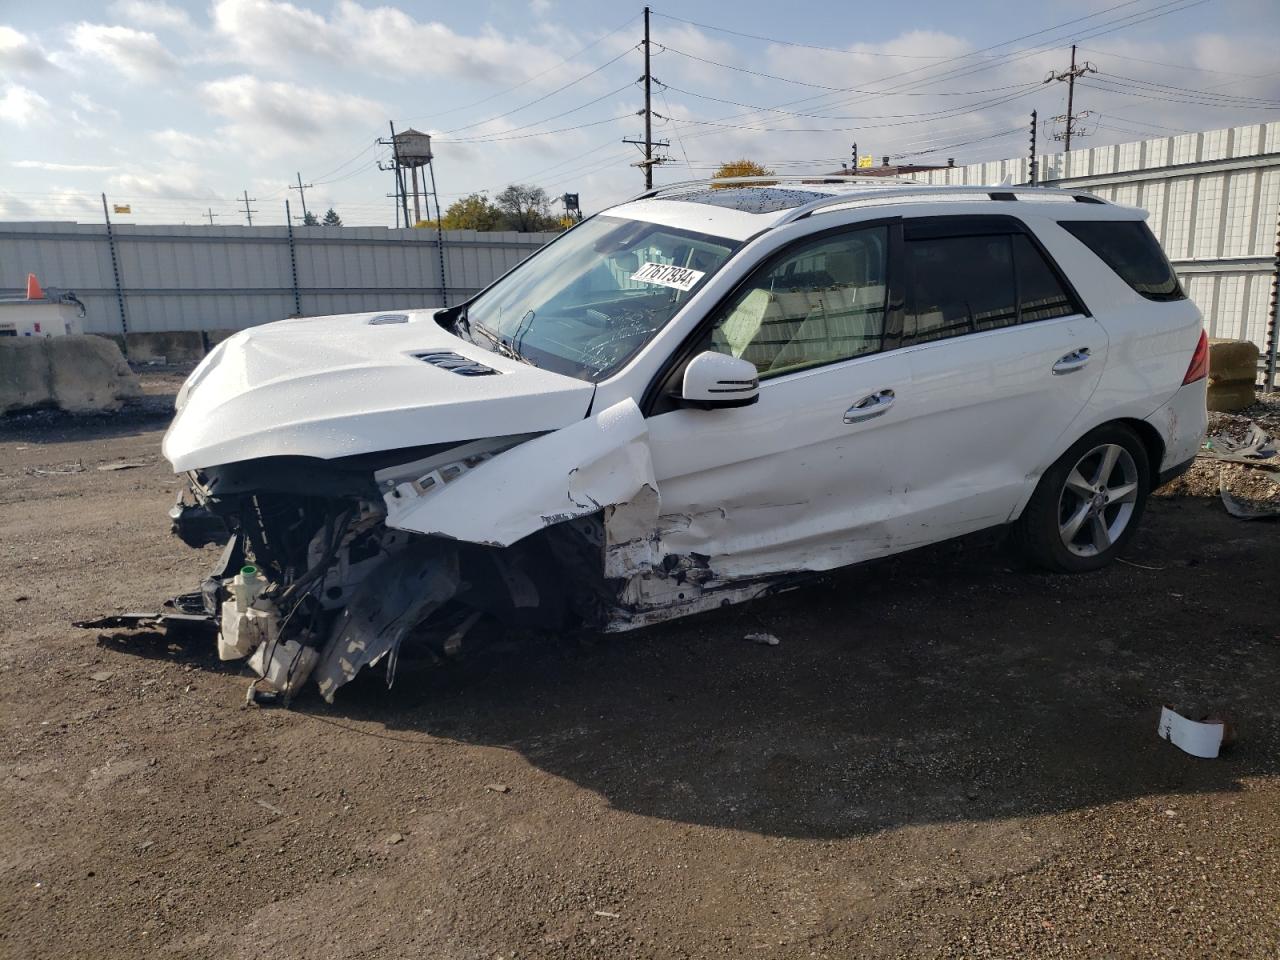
(20, 105)
(384, 39)
(20, 53)
(153, 14)
(181, 181)
(269, 118)
(60, 167)
(89, 105)
(186, 146)
(265, 32)
(136, 54)
(540, 8)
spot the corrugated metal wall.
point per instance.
(1214, 200)
(227, 278)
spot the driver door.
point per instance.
(807, 477)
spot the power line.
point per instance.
(540, 133)
(1175, 66)
(545, 96)
(793, 43)
(536, 76)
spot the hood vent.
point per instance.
(455, 363)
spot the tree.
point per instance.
(526, 208)
(742, 168)
(309, 220)
(331, 218)
(473, 212)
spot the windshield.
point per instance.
(585, 305)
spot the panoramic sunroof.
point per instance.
(751, 199)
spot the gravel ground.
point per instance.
(948, 755)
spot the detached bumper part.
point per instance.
(402, 592)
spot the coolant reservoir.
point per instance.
(247, 585)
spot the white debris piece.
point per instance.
(1198, 738)
(768, 639)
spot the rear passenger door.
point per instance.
(1003, 358)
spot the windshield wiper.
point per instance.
(502, 347)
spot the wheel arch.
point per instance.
(1149, 436)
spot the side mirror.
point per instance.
(713, 380)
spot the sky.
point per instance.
(178, 108)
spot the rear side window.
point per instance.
(966, 284)
(1040, 292)
(958, 285)
(1130, 249)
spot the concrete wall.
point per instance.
(1214, 200)
(194, 278)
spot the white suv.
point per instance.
(692, 399)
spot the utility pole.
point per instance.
(302, 192)
(247, 211)
(648, 109)
(1070, 118)
(1031, 169)
(649, 161)
(211, 215)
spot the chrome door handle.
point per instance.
(1073, 361)
(870, 406)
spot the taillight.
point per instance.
(1199, 368)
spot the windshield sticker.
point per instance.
(668, 275)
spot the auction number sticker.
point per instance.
(668, 275)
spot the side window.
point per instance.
(824, 301)
(1130, 249)
(1041, 295)
(958, 285)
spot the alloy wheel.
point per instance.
(1097, 500)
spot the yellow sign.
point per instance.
(122, 208)
(866, 162)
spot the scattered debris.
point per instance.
(497, 787)
(270, 806)
(1140, 566)
(1246, 509)
(607, 913)
(1252, 493)
(77, 467)
(102, 676)
(1256, 445)
(767, 639)
(394, 839)
(1200, 738)
(123, 465)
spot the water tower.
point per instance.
(411, 151)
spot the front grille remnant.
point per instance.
(455, 363)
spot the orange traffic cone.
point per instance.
(33, 288)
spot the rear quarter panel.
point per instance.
(1151, 342)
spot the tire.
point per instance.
(1088, 504)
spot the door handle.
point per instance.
(871, 406)
(1073, 361)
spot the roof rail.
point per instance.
(830, 204)
(768, 180)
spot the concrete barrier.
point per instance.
(1233, 372)
(78, 374)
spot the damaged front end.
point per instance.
(331, 565)
(370, 501)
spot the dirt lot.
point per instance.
(947, 755)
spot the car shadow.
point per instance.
(950, 684)
(947, 685)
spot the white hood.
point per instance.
(332, 387)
